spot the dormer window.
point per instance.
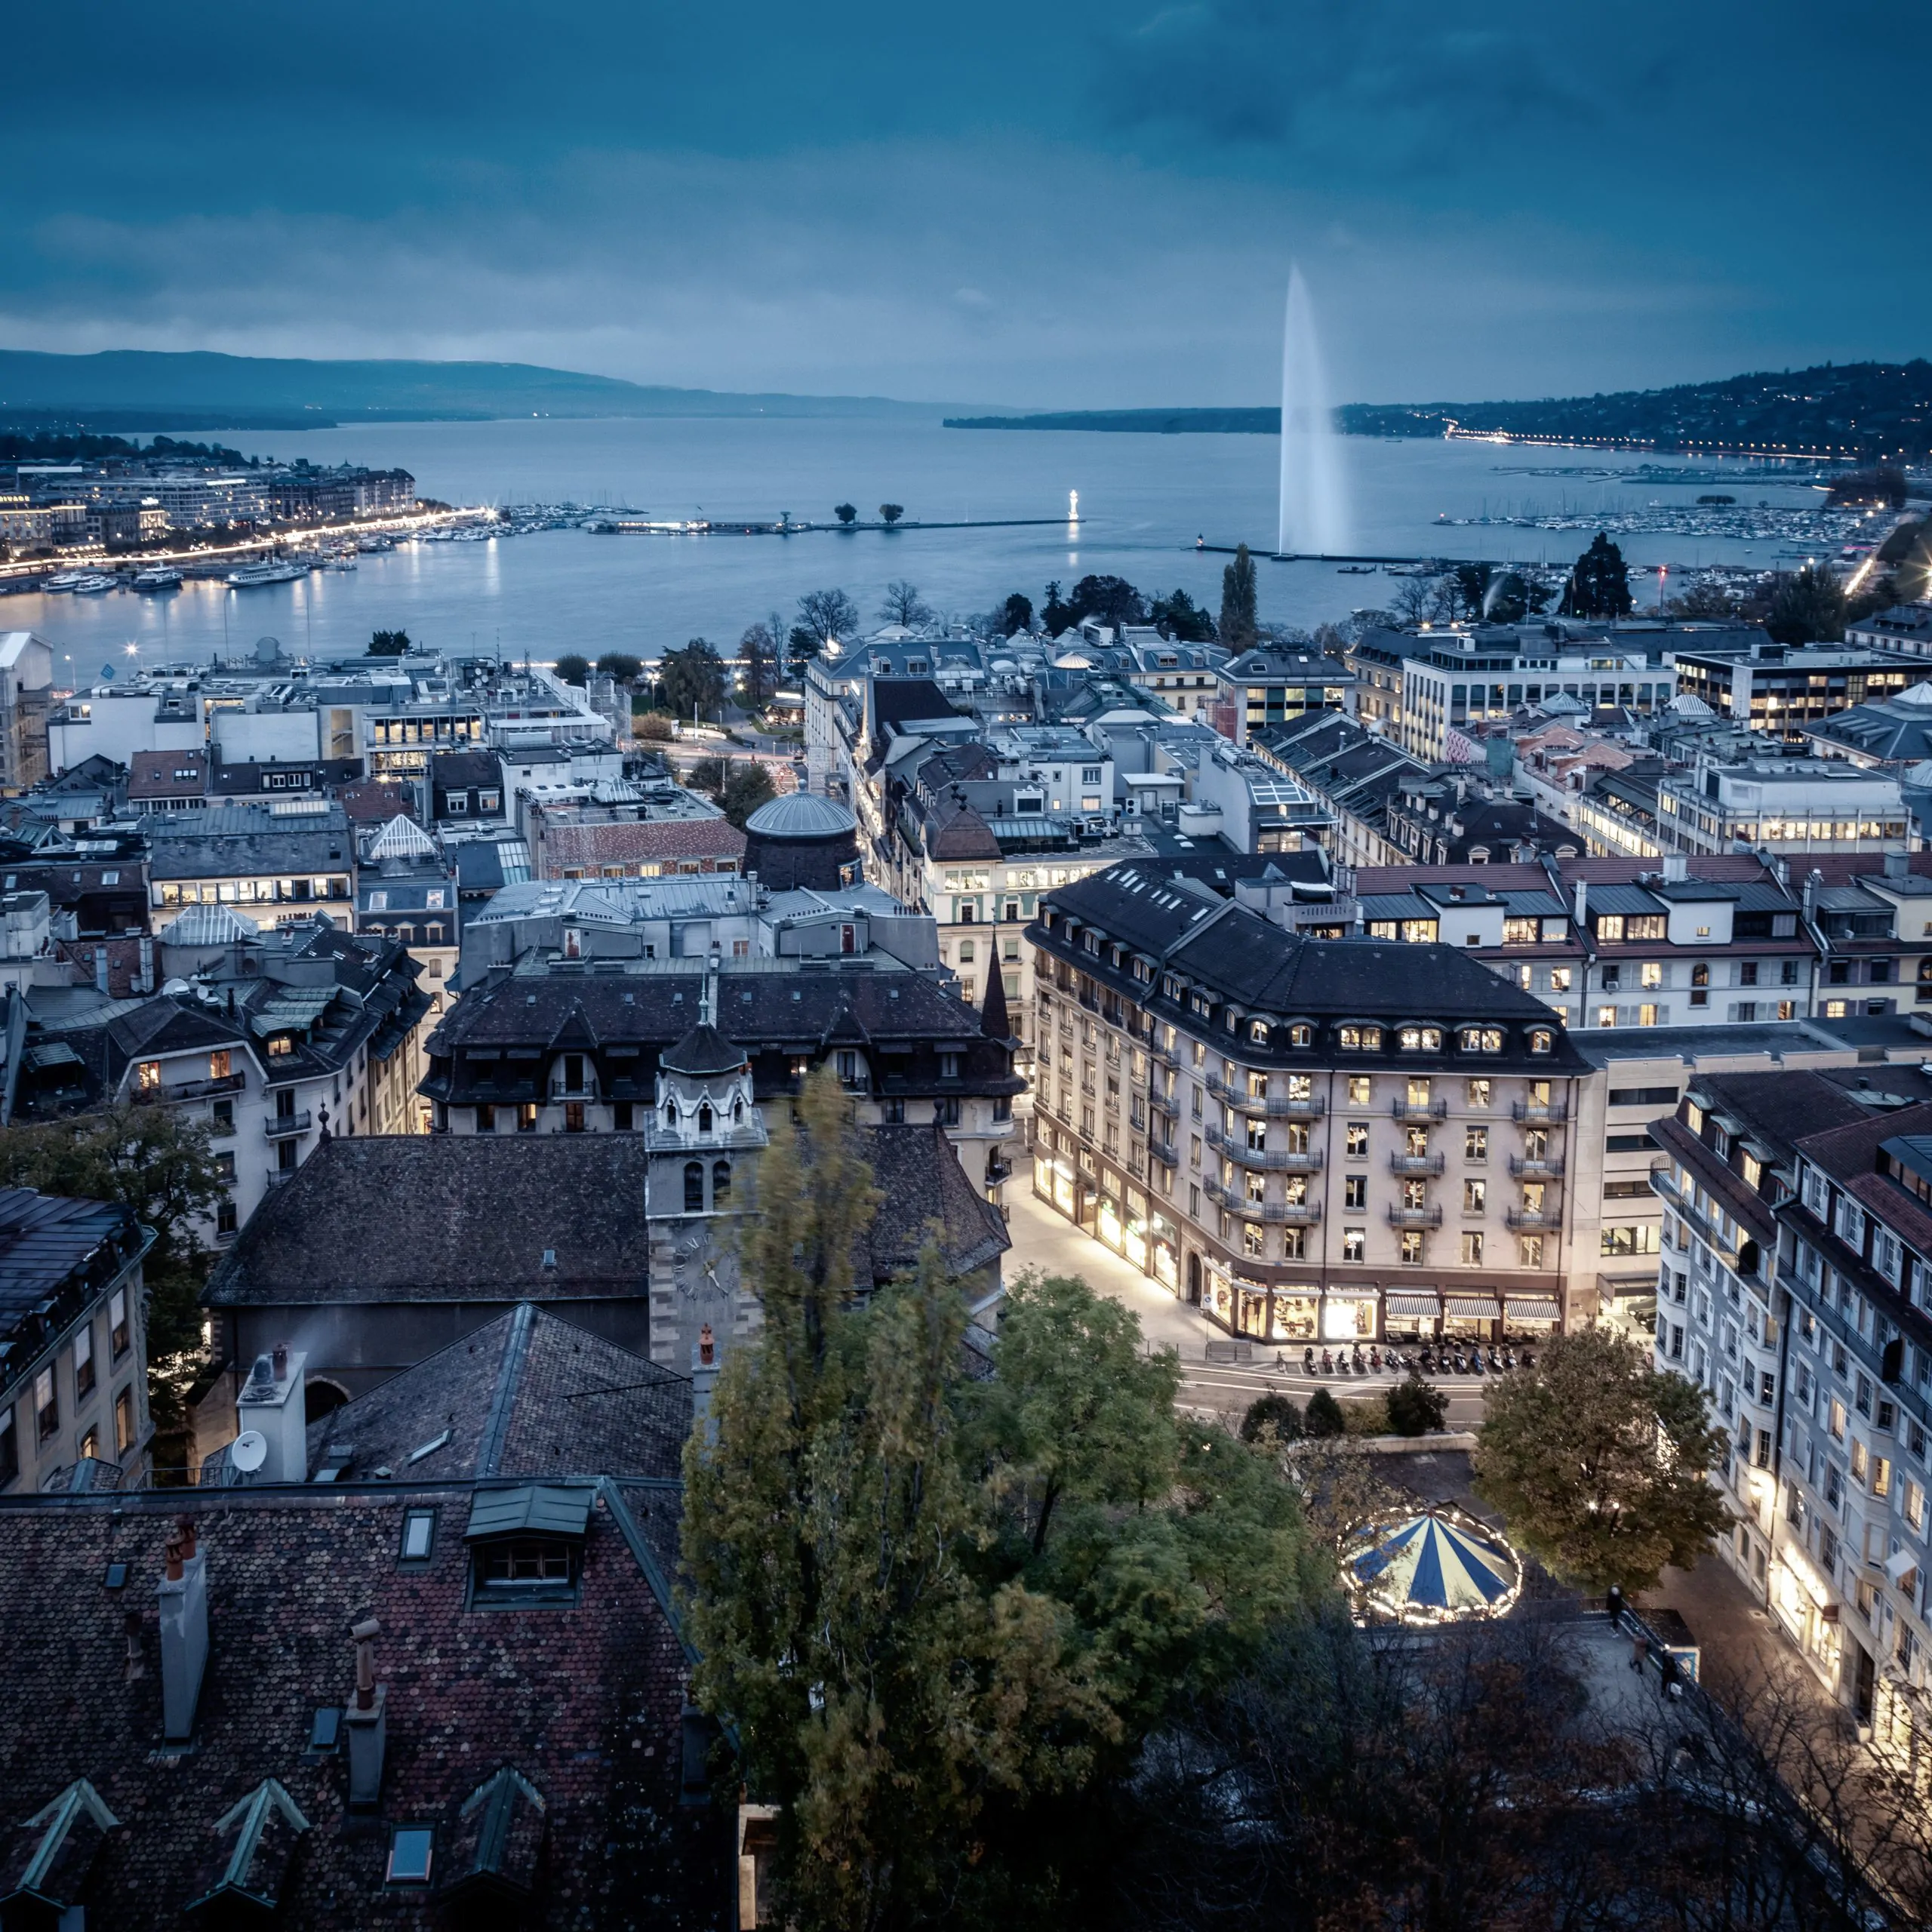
(1361, 1039)
(671, 1114)
(704, 1118)
(527, 1545)
(1421, 1039)
(1480, 1039)
(1257, 1032)
(1301, 1035)
(1541, 1040)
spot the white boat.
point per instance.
(251, 575)
(63, 580)
(161, 578)
(91, 584)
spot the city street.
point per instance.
(1047, 1241)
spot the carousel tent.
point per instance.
(1429, 1567)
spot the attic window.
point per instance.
(436, 1442)
(1257, 1032)
(419, 1535)
(412, 1852)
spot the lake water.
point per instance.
(1143, 502)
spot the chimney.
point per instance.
(274, 1400)
(1813, 880)
(1895, 863)
(184, 1631)
(1583, 901)
(366, 1721)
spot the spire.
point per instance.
(993, 1022)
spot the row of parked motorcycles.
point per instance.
(1455, 1358)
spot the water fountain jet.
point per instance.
(1314, 509)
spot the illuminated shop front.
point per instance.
(1109, 1207)
(1470, 1317)
(1533, 1317)
(1807, 1609)
(1348, 1314)
(1410, 1315)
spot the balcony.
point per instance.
(1415, 1163)
(1420, 1110)
(1553, 1111)
(1273, 1160)
(1415, 1217)
(187, 1089)
(278, 1126)
(1312, 1108)
(1529, 1168)
(1531, 1219)
(1165, 1103)
(1168, 1157)
(221, 1127)
(277, 1175)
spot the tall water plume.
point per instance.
(1313, 506)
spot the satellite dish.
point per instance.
(249, 1450)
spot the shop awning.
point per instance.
(1472, 1308)
(1412, 1303)
(1533, 1308)
(1350, 1294)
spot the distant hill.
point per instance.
(148, 390)
(1864, 409)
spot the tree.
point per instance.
(706, 775)
(890, 513)
(1180, 618)
(1807, 608)
(652, 726)
(757, 650)
(1055, 616)
(388, 644)
(1323, 1416)
(827, 616)
(621, 665)
(1599, 586)
(1600, 1463)
(1111, 600)
(1239, 608)
(902, 604)
(1271, 1416)
(1015, 614)
(747, 785)
(931, 1607)
(1414, 597)
(1417, 1407)
(845, 512)
(159, 1165)
(573, 669)
(692, 678)
(801, 644)
(1710, 599)
(1471, 583)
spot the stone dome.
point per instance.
(801, 815)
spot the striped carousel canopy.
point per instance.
(1429, 1567)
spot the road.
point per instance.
(1045, 1240)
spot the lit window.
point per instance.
(1421, 1039)
(1480, 1039)
(1541, 1039)
(1361, 1039)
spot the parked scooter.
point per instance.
(1308, 1362)
(1327, 1363)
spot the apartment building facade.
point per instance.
(1315, 1141)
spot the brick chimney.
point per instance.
(184, 1631)
(366, 1721)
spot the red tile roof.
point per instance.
(596, 845)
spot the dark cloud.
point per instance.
(1076, 204)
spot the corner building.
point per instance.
(1315, 1140)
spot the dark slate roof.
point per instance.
(44, 1237)
(527, 1394)
(584, 1701)
(918, 1171)
(245, 840)
(702, 1052)
(444, 1217)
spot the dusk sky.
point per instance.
(1039, 205)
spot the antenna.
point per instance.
(249, 1450)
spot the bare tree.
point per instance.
(902, 604)
(1415, 599)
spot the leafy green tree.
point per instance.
(1323, 1416)
(158, 1164)
(1599, 586)
(1240, 607)
(1417, 1407)
(845, 512)
(1273, 1415)
(572, 668)
(890, 513)
(1472, 582)
(621, 665)
(1055, 615)
(692, 678)
(802, 645)
(1112, 600)
(827, 617)
(931, 1607)
(1180, 618)
(707, 776)
(1808, 608)
(388, 644)
(1015, 614)
(758, 651)
(1601, 1464)
(747, 785)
